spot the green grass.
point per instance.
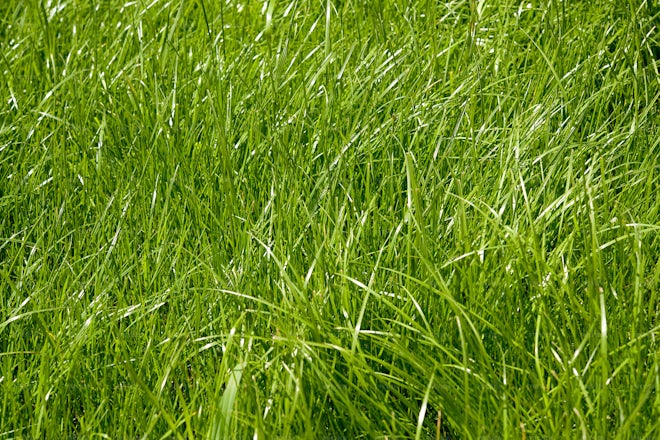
(329, 219)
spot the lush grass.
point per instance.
(329, 219)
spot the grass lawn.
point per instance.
(329, 219)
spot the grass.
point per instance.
(329, 219)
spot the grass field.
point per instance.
(329, 219)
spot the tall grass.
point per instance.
(329, 219)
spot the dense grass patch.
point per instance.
(329, 219)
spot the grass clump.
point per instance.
(336, 219)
